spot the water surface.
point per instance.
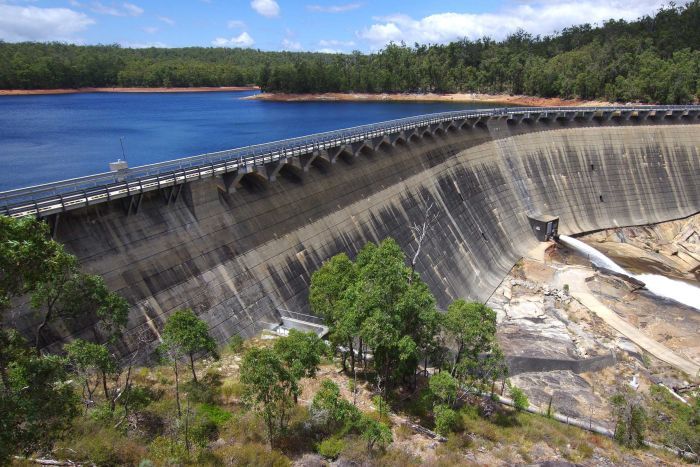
(55, 137)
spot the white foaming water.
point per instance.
(677, 290)
(658, 285)
(593, 255)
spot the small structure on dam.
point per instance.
(544, 226)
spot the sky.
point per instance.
(310, 25)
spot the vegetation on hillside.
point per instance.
(653, 59)
(393, 361)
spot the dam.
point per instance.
(236, 235)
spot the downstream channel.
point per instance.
(657, 284)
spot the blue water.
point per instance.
(55, 137)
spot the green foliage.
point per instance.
(189, 334)
(301, 352)
(446, 420)
(630, 419)
(25, 245)
(376, 434)
(96, 444)
(443, 387)
(37, 404)
(269, 388)
(165, 450)
(251, 455)
(235, 343)
(379, 302)
(678, 423)
(331, 448)
(470, 329)
(520, 400)
(654, 59)
(335, 414)
(214, 413)
(91, 363)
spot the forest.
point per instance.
(654, 59)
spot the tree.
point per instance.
(301, 353)
(446, 419)
(377, 302)
(269, 388)
(39, 403)
(375, 433)
(91, 363)
(630, 419)
(471, 329)
(335, 413)
(185, 331)
(444, 387)
(520, 401)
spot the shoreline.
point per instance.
(30, 92)
(427, 97)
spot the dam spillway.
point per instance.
(236, 246)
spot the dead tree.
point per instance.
(420, 232)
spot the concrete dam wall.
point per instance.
(236, 257)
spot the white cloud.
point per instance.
(167, 20)
(133, 10)
(335, 43)
(268, 8)
(290, 44)
(536, 17)
(334, 8)
(142, 45)
(150, 29)
(126, 9)
(235, 24)
(30, 23)
(242, 40)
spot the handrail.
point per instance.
(251, 155)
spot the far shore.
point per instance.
(428, 97)
(22, 92)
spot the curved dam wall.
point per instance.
(235, 258)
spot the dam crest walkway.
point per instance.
(266, 160)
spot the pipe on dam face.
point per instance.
(235, 258)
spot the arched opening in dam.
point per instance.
(237, 247)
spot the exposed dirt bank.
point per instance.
(21, 92)
(428, 97)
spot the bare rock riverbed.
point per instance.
(560, 351)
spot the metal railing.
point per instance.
(82, 191)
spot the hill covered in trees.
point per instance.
(653, 59)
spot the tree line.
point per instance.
(653, 59)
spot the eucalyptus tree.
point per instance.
(189, 334)
(270, 388)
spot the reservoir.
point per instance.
(45, 138)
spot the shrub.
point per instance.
(398, 457)
(105, 446)
(214, 413)
(232, 389)
(235, 344)
(446, 420)
(244, 427)
(630, 420)
(164, 451)
(330, 448)
(520, 401)
(251, 454)
(200, 392)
